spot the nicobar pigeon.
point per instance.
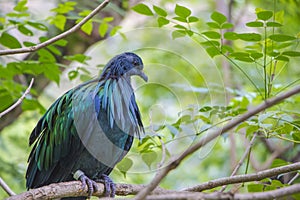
(88, 130)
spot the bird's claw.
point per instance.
(86, 182)
(91, 185)
(110, 188)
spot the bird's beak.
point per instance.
(143, 75)
(139, 72)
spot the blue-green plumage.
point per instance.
(90, 128)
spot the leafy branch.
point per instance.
(58, 37)
(162, 173)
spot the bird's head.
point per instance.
(124, 65)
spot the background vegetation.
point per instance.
(207, 63)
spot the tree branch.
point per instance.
(19, 100)
(214, 134)
(6, 188)
(245, 178)
(74, 189)
(273, 194)
(58, 37)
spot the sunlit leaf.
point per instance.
(88, 27)
(192, 19)
(25, 30)
(231, 36)
(281, 37)
(142, 9)
(213, 51)
(251, 37)
(182, 11)
(162, 21)
(264, 15)
(178, 34)
(273, 24)
(218, 17)
(212, 34)
(160, 11)
(291, 53)
(213, 25)
(9, 41)
(227, 26)
(149, 158)
(103, 29)
(255, 24)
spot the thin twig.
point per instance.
(58, 37)
(19, 100)
(6, 188)
(293, 179)
(214, 134)
(241, 160)
(245, 178)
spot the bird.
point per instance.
(88, 130)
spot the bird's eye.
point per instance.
(135, 63)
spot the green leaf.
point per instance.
(21, 6)
(160, 11)
(226, 26)
(162, 21)
(88, 27)
(28, 44)
(218, 17)
(9, 41)
(61, 42)
(59, 21)
(52, 72)
(25, 30)
(291, 53)
(255, 24)
(212, 51)
(64, 7)
(54, 50)
(281, 37)
(211, 43)
(264, 15)
(278, 163)
(125, 165)
(273, 24)
(32, 104)
(38, 26)
(213, 25)
(212, 34)
(178, 34)
(255, 187)
(181, 19)
(149, 158)
(72, 74)
(182, 11)
(103, 29)
(114, 30)
(108, 19)
(192, 19)
(178, 26)
(45, 56)
(251, 37)
(78, 58)
(205, 109)
(226, 48)
(282, 58)
(256, 55)
(231, 36)
(142, 9)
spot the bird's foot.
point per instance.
(110, 187)
(86, 181)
